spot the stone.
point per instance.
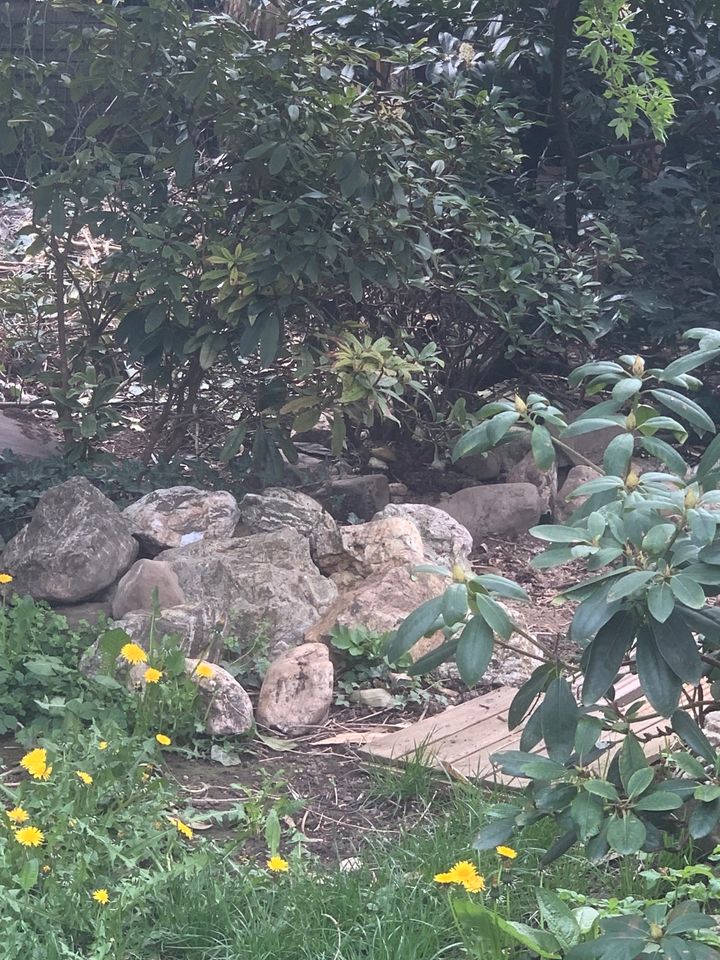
(499, 461)
(445, 541)
(564, 507)
(495, 510)
(376, 698)
(26, 436)
(591, 446)
(546, 481)
(359, 497)
(369, 548)
(135, 590)
(398, 492)
(297, 690)
(278, 507)
(226, 707)
(76, 544)
(264, 586)
(92, 613)
(178, 515)
(379, 603)
(198, 627)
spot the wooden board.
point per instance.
(462, 739)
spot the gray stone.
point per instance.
(76, 544)
(546, 481)
(297, 690)
(565, 507)
(369, 548)
(178, 515)
(278, 507)
(135, 590)
(495, 510)
(376, 698)
(26, 436)
(265, 585)
(361, 497)
(444, 539)
(199, 628)
(90, 613)
(226, 707)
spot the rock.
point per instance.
(91, 613)
(197, 626)
(178, 515)
(369, 548)
(361, 497)
(266, 585)
(592, 446)
(135, 590)
(444, 539)
(564, 507)
(25, 436)
(277, 507)
(297, 690)
(376, 698)
(498, 509)
(76, 544)
(226, 707)
(481, 466)
(546, 481)
(379, 603)
(398, 492)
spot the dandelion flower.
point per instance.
(103, 745)
(182, 828)
(152, 675)
(18, 815)
(163, 740)
(46, 868)
(443, 878)
(133, 653)
(205, 671)
(45, 775)
(278, 864)
(463, 872)
(101, 896)
(35, 762)
(30, 836)
(475, 885)
(85, 777)
(5, 578)
(72, 823)
(506, 852)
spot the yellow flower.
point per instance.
(152, 675)
(103, 745)
(46, 868)
(463, 872)
(475, 885)
(443, 878)
(18, 815)
(101, 896)
(133, 653)
(35, 762)
(45, 775)
(29, 836)
(278, 865)
(85, 777)
(72, 823)
(5, 578)
(182, 828)
(163, 740)
(205, 671)
(507, 852)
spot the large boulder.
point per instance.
(546, 481)
(178, 515)
(25, 436)
(92, 613)
(356, 498)
(76, 544)
(137, 588)
(198, 627)
(495, 510)
(297, 690)
(278, 507)
(445, 541)
(379, 603)
(265, 585)
(369, 548)
(226, 707)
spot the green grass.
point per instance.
(389, 909)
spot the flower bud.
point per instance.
(459, 573)
(520, 405)
(630, 421)
(691, 498)
(638, 367)
(656, 932)
(632, 480)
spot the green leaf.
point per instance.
(494, 834)
(709, 460)
(356, 286)
(184, 163)
(475, 440)
(639, 782)
(542, 447)
(592, 614)
(618, 455)
(667, 453)
(677, 647)
(624, 389)
(660, 601)
(686, 409)
(658, 800)
(660, 684)
(539, 941)
(338, 434)
(474, 650)
(685, 364)
(234, 442)
(692, 736)
(495, 616)
(501, 586)
(556, 533)
(631, 758)
(528, 693)
(558, 918)
(629, 584)
(278, 159)
(29, 872)
(587, 814)
(601, 788)
(413, 627)
(626, 834)
(703, 819)
(606, 654)
(559, 720)
(589, 730)
(499, 425)
(579, 427)
(658, 538)
(455, 604)
(543, 768)
(687, 591)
